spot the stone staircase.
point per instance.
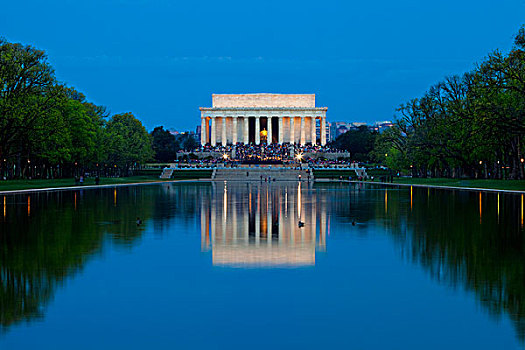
(361, 172)
(166, 173)
(256, 174)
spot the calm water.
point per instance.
(227, 266)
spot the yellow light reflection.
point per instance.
(521, 210)
(480, 208)
(286, 203)
(299, 200)
(75, 200)
(115, 197)
(386, 201)
(498, 207)
(5, 208)
(411, 197)
(225, 202)
(28, 205)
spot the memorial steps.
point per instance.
(258, 174)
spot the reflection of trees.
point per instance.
(62, 231)
(444, 234)
(450, 241)
(54, 238)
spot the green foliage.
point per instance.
(471, 125)
(187, 142)
(49, 130)
(164, 145)
(358, 142)
(129, 141)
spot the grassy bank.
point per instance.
(11, 185)
(516, 185)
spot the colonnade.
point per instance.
(224, 129)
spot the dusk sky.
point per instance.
(161, 60)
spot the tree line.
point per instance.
(471, 125)
(50, 130)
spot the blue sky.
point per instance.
(161, 60)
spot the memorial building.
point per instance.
(263, 118)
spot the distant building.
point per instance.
(384, 125)
(339, 128)
(198, 133)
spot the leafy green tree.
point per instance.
(188, 142)
(164, 145)
(129, 142)
(28, 95)
(358, 142)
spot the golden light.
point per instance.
(299, 156)
(264, 133)
(225, 156)
(480, 162)
(522, 160)
(386, 154)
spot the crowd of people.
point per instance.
(269, 154)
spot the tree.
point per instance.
(28, 95)
(358, 142)
(164, 145)
(129, 142)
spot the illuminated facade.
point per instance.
(263, 118)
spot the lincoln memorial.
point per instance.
(263, 118)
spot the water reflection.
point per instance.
(263, 225)
(47, 238)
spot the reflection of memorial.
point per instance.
(258, 225)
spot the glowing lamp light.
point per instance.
(522, 160)
(264, 133)
(225, 156)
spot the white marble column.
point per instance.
(323, 131)
(223, 138)
(203, 131)
(313, 131)
(213, 132)
(269, 137)
(234, 134)
(257, 131)
(280, 130)
(207, 130)
(292, 130)
(303, 132)
(246, 131)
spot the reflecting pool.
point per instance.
(262, 265)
